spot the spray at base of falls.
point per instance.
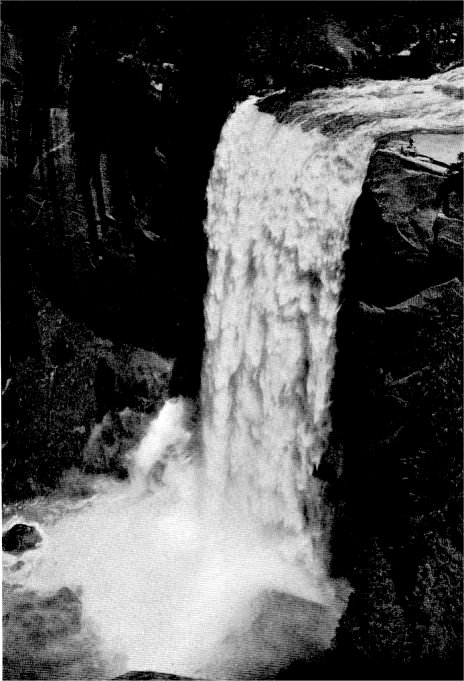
(168, 587)
(207, 562)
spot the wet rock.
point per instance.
(111, 440)
(433, 302)
(20, 538)
(400, 241)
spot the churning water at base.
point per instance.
(209, 561)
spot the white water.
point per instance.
(279, 201)
(177, 565)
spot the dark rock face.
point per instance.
(105, 166)
(93, 199)
(400, 334)
(448, 245)
(395, 460)
(55, 397)
(20, 538)
(397, 235)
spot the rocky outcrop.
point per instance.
(400, 241)
(395, 459)
(399, 333)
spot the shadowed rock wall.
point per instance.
(395, 459)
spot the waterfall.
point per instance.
(280, 199)
(205, 561)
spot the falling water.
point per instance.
(208, 562)
(280, 199)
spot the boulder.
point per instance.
(20, 538)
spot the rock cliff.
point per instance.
(394, 465)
